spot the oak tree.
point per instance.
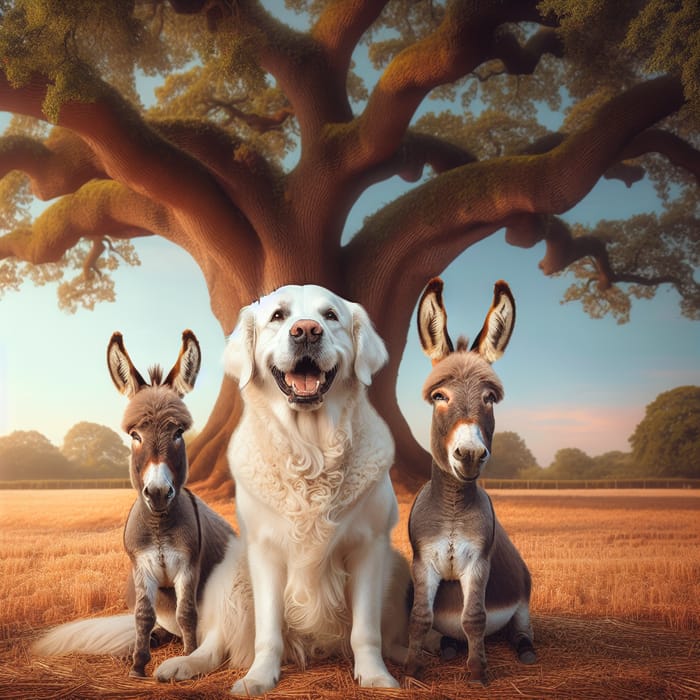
(96, 451)
(264, 133)
(666, 443)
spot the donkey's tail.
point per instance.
(100, 635)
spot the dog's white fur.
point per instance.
(315, 505)
(314, 498)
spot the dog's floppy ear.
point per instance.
(239, 355)
(370, 351)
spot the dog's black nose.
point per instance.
(306, 330)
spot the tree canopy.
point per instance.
(266, 129)
(27, 454)
(667, 440)
(89, 451)
(509, 456)
(96, 451)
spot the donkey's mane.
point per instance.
(155, 373)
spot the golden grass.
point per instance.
(616, 600)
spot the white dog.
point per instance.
(311, 461)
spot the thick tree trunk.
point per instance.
(209, 471)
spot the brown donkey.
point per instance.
(172, 537)
(469, 579)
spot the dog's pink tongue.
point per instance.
(303, 384)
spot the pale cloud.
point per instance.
(593, 429)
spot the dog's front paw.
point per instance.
(250, 687)
(379, 680)
(178, 668)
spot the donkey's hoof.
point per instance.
(526, 652)
(137, 673)
(478, 679)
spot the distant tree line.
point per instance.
(665, 444)
(89, 451)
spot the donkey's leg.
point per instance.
(186, 611)
(473, 581)
(520, 634)
(426, 581)
(145, 616)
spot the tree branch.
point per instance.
(429, 226)
(98, 209)
(522, 59)
(457, 46)
(678, 151)
(262, 123)
(135, 155)
(340, 27)
(57, 166)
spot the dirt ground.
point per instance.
(595, 637)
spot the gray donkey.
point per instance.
(172, 537)
(469, 579)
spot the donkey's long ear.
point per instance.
(498, 326)
(124, 375)
(184, 372)
(432, 322)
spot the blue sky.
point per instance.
(570, 381)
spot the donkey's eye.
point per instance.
(438, 396)
(178, 434)
(489, 398)
(135, 436)
(278, 315)
(330, 315)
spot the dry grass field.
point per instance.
(616, 601)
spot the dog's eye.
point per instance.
(278, 315)
(330, 315)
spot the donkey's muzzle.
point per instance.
(467, 452)
(158, 487)
(158, 499)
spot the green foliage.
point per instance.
(667, 440)
(509, 457)
(570, 463)
(27, 454)
(89, 450)
(96, 451)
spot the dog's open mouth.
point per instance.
(306, 383)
